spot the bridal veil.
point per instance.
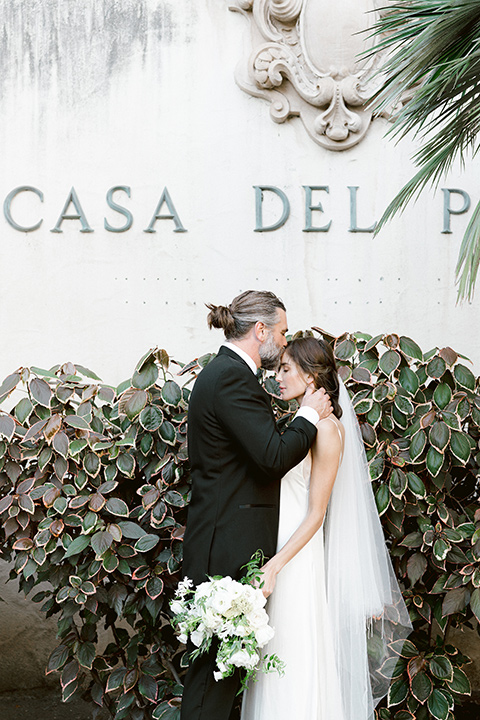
(365, 602)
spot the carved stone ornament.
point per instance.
(306, 62)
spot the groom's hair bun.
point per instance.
(221, 317)
(244, 311)
(316, 358)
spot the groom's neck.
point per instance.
(250, 346)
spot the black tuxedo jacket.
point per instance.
(237, 459)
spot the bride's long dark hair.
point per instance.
(316, 358)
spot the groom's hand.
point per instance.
(318, 400)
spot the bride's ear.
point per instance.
(310, 380)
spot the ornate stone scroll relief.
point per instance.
(305, 61)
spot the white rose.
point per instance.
(264, 634)
(210, 619)
(203, 590)
(257, 618)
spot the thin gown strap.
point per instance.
(341, 438)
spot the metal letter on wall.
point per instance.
(305, 61)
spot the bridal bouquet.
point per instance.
(231, 611)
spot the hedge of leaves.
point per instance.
(94, 486)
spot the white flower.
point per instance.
(242, 658)
(257, 618)
(264, 634)
(212, 621)
(177, 607)
(183, 587)
(183, 639)
(198, 636)
(218, 675)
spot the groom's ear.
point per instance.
(260, 331)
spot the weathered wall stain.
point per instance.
(78, 46)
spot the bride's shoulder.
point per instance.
(330, 429)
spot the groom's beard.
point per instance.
(270, 353)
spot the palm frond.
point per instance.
(434, 61)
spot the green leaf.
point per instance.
(115, 679)
(126, 464)
(410, 348)
(416, 567)
(404, 404)
(439, 435)
(135, 404)
(389, 362)
(412, 540)
(86, 654)
(454, 601)
(146, 377)
(146, 543)
(345, 349)
(398, 482)
(9, 384)
(398, 692)
(438, 705)
(372, 343)
(58, 658)
(460, 446)
(148, 688)
(77, 545)
(101, 541)
(409, 381)
(117, 507)
(76, 446)
(434, 461)
(167, 432)
(23, 410)
(417, 445)
(460, 683)
(164, 711)
(154, 587)
(151, 418)
(41, 392)
(171, 393)
(416, 485)
(436, 367)
(475, 603)
(442, 395)
(422, 687)
(131, 530)
(441, 548)
(91, 464)
(441, 667)
(77, 422)
(451, 419)
(464, 377)
(382, 499)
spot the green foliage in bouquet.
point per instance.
(94, 485)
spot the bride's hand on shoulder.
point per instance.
(319, 400)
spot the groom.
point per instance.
(237, 459)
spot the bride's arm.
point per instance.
(326, 452)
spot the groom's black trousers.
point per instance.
(204, 697)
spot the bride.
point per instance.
(333, 599)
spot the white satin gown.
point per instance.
(298, 610)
